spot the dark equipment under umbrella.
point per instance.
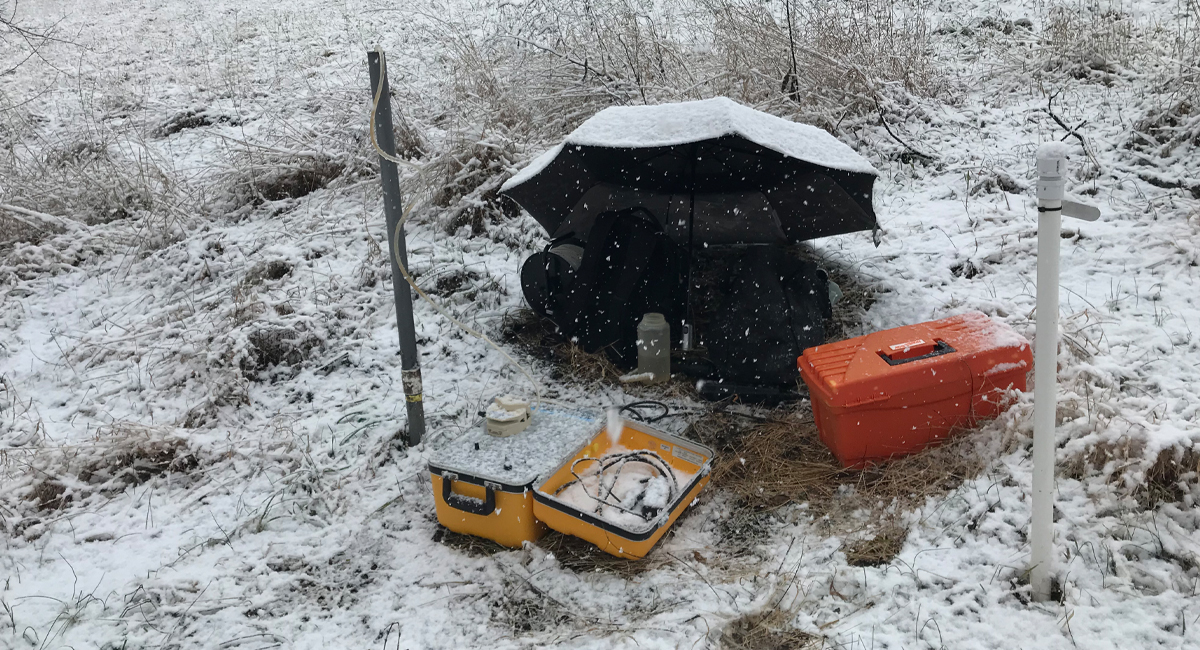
(712, 172)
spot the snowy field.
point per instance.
(200, 381)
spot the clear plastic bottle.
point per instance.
(654, 347)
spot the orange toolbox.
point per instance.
(483, 485)
(898, 391)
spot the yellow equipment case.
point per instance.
(482, 484)
(629, 538)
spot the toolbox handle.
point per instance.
(466, 503)
(941, 348)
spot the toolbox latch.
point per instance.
(914, 350)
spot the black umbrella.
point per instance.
(711, 172)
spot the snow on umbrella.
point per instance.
(711, 171)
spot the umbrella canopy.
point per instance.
(711, 171)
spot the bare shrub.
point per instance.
(410, 142)
(531, 73)
(18, 33)
(1086, 41)
(831, 59)
(467, 179)
(100, 178)
(1170, 129)
(1187, 49)
(547, 68)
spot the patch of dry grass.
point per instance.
(766, 631)
(583, 557)
(469, 544)
(879, 549)
(1174, 475)
(780, 461)
(784, 461)
(538, 337)
(49, 479)
(770, 627)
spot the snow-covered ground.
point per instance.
(199, 391)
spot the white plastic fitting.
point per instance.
(507, 416)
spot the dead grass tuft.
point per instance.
(766, 632)
(769, 465)
(194, 119)
(1163, 133)
(1174, 475)
(277, 346)
(272, 270)
(768, 629)
(469, 544)
(1108, 456)
(880, 548)
(123, 455)
(49, 494)
(138, 461)
(295, 181)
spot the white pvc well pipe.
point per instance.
(1051, 165)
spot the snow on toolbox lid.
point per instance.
(958, 353)
(516, 462)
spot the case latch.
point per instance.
(914, 350)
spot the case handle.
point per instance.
(465, 503)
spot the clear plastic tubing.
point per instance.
(654, 347)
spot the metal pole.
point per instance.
(389, 175)
(1051, 164)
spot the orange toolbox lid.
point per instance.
(912, 365)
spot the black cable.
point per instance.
(635, 410)
(617, 462)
